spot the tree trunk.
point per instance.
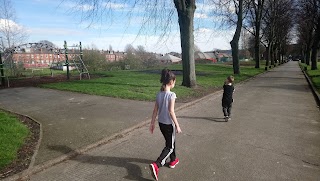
(268, 56)
(314, 54)
(235, 56)
(257, 24)
(235, 41)
(308, 56)
(315, 46)
(186, 9)
(257, 47)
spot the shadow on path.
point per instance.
(133, 170)
(205, 118)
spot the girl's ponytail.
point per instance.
(166, 77)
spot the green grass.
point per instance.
(143, 85)
(12, 136)
(314, 75)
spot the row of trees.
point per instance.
(270, 22)
(308, 30)
(135, 58)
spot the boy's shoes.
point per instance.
(229, 118)
(154, 170)
(226, 118)
(174, 163)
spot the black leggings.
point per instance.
(169, 133)
(226, 108)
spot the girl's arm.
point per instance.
(173, 115)
(153, 119)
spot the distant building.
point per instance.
(112, 56)
(43, 58)
(167, 58)
(220, 55)
(204, 56)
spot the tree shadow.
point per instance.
(134, 171)
(219, 120)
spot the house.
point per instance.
(112, 56)
(203, 56)
(221, 55)
(167, 58)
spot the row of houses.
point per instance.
(43, 58)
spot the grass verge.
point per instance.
(12, 136)
(314, 75)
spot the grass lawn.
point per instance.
(12, 136)
(144, 84)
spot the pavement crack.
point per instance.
(285, 154)
(313, 164)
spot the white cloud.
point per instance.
(200, 15)
(114, 5)
(5, 23)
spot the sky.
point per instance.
(61, 20)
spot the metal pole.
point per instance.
(81, 57)
(1, 65)
(1, 70)
(67, 63)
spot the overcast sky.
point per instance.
(53, 21)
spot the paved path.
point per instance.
(274, 135)
(73, 119)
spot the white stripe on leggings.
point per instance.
(172, 146)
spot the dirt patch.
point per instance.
(26, 152)
(35, 81)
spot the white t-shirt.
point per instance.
(163, 101)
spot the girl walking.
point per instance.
(168, 123)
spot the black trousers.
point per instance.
(226, 108)
(169, 133)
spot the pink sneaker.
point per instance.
(174, 163)
(154, 170)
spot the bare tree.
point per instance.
(235, 40)
(316, 42)
(48, 43)
(308, 21)
(12, 33)
(254, 22)
(276, 24)
(129, 49)
(93, 58)
(159, 14)
(233, 13)
(186, 9)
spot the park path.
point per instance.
(274, 134)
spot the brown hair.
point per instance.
(230, 79)
(166, 76)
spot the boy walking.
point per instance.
(227, 98)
